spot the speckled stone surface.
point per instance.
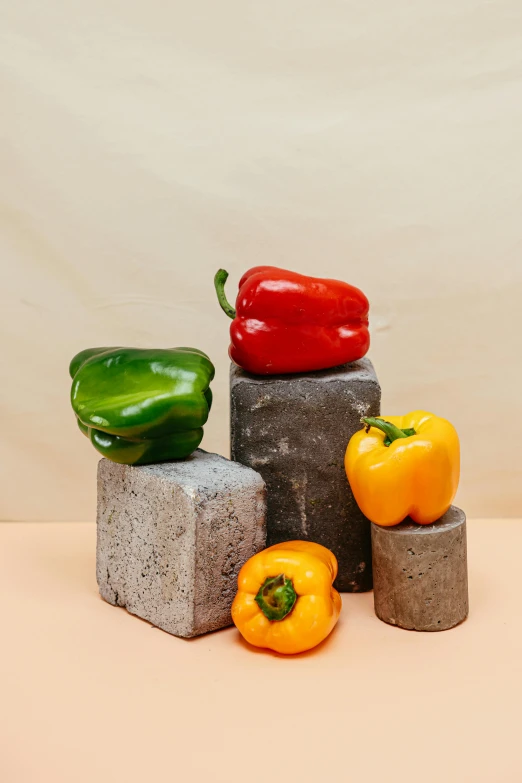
(420, 574)
(173, 536)
(294, 430)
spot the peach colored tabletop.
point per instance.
(90, 694)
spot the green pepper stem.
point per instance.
(276, 597)
(220, 279)
(390, 430)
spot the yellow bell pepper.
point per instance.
(404, 466)
(285, 598)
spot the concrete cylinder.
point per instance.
(294, 430)
(420, 575)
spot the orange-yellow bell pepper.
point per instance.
(285, 598)
(401, 466)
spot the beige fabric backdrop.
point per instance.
(146, 144)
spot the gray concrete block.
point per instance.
(294, 430)
(420, 575)
(173, 536)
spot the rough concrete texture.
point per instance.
(420, 574)
(173, 536)
(294, 430)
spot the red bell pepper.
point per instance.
(286, 322)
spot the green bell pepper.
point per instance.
(140, 406)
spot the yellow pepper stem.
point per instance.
(276, 597)
(390, 430)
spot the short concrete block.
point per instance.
(173, 536)
(294, 429)
(420, 575)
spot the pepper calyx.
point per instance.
(276, 597)
(220, 279)
(390, 430)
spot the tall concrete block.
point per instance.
(173, 536)
(294, 430)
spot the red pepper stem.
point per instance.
(390, 430)
(219, 283)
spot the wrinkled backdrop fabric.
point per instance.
(145, 145)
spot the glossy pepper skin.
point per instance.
(416, 475)
(140, 406)
(285, 322)
(285, 600)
